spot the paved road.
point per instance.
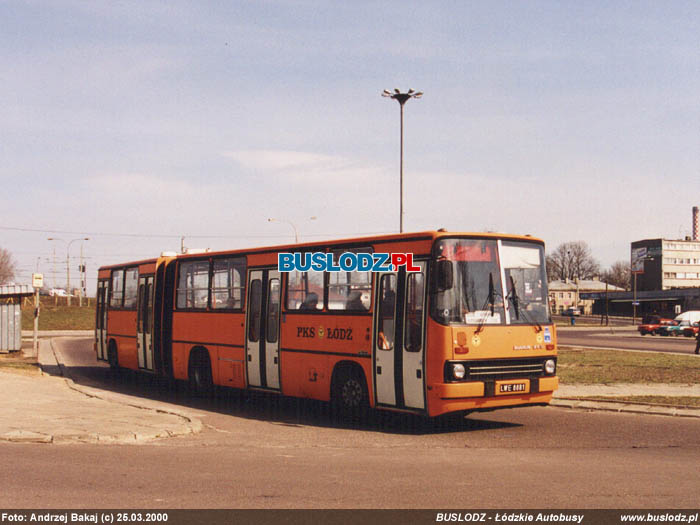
(264, 452)
(625, 339)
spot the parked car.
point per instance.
(692, 330)
(651, 324)
(681, 322)
(571, 312)
(674, 329)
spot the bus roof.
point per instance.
(358, 241)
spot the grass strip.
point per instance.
(61, 317)
(602, 367)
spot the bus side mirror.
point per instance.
(445, 277)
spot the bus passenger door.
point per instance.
(385, 339)
(262, 329)
(414, 339)
(101, 320)
(399, 341)
(144, 336)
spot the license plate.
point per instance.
(504, 388)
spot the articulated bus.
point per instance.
(468, 328)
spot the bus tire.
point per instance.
(349, 395)
(113, 356)
(199, 373)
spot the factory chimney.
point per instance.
(696, 223)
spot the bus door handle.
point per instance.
(379, 370)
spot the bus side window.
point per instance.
(117, 288)
(228, 283)
(193, 285)
(305, 291)
(349, 291)
(131, 287)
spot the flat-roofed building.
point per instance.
(664, 264)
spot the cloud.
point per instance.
(309, 167)
(281, 160)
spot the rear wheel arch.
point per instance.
(199, 370)
(113, 354)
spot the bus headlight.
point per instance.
(550, 366)
(458, 371)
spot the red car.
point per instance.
(653, 323)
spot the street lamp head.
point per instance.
(402, 98)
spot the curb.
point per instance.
(620, 406)
(192, 425)
(611, 329)
(28, 334)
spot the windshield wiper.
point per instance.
(513, 297)
(490, 300)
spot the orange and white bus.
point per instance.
(469, 331)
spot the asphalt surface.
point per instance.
(270, 452)
(69, 403)
(622, 338)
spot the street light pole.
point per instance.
(401, 98)
(634, 300)
(83, 283)
(296, 232)
(68, 260)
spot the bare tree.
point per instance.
(572, 260)
(8, 267)
(618, 275)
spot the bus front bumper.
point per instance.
(479, 395)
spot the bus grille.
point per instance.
(504, 369)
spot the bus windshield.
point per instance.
(475, 294)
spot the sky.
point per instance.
(134, 123)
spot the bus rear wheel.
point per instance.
(350, 397)
(199, 374)
(113, 357)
